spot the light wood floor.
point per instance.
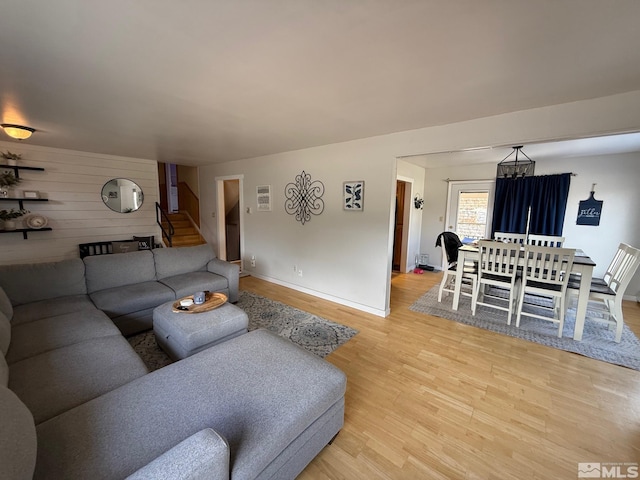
(429, 398)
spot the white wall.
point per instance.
(189, 175)
(347, 256)
(72, 181)
(343, 255)
(616, 176)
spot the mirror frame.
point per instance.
(112, 195)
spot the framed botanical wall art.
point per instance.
(353, 195)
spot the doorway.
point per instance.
(171, 176)
(401, 228)
(229, 207)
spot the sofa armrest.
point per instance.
(204, 455)
(231, 272)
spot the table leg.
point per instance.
(583, 300)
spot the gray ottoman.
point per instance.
(183, 334)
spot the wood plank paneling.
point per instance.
(431, 398)
(72, 182)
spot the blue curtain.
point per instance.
(546, 195)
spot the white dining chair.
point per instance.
(497, 267)
(449, 269)
(545, 240)
(605, 295)
(519, 238)
(546, 273)
(616, 262)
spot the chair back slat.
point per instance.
(545, 240)
(615, 263)
(549, 265)
(519, 238)
(498, 258)
(622, 268)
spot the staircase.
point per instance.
(186, 233)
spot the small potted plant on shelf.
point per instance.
(9, 217)
(11, 158)
(7, 179)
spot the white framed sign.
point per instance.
(263, 195)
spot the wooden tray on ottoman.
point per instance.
(211, 300)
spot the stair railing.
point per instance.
(164, 215)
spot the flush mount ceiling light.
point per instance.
(18, 132)
(516, 168)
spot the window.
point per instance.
(472, 214)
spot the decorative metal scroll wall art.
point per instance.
(304, 197)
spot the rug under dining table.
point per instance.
(597, 341)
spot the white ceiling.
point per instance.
(203, 81)
(579, 147)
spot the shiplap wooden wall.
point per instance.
(72, 181)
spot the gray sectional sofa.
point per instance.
(77, 402)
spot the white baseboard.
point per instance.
(324, 296)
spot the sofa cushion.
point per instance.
(18, 441)
(134, 322)
(5, 304)
(189, 283)
(202, 456)
(131, 298)
(176, 261)
(108, 271)
(242, 388)
(231, 272)
(5, 334)
(58, 380)
(28, 283)
(52, 308)
(33, 338)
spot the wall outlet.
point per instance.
(299, 272)
(253, 260)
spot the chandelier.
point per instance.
(516, 168)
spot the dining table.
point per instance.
(582, 264)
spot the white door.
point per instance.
(470, 208)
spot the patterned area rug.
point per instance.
(313, 333)
(597, 340)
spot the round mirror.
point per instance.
(122, 195)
